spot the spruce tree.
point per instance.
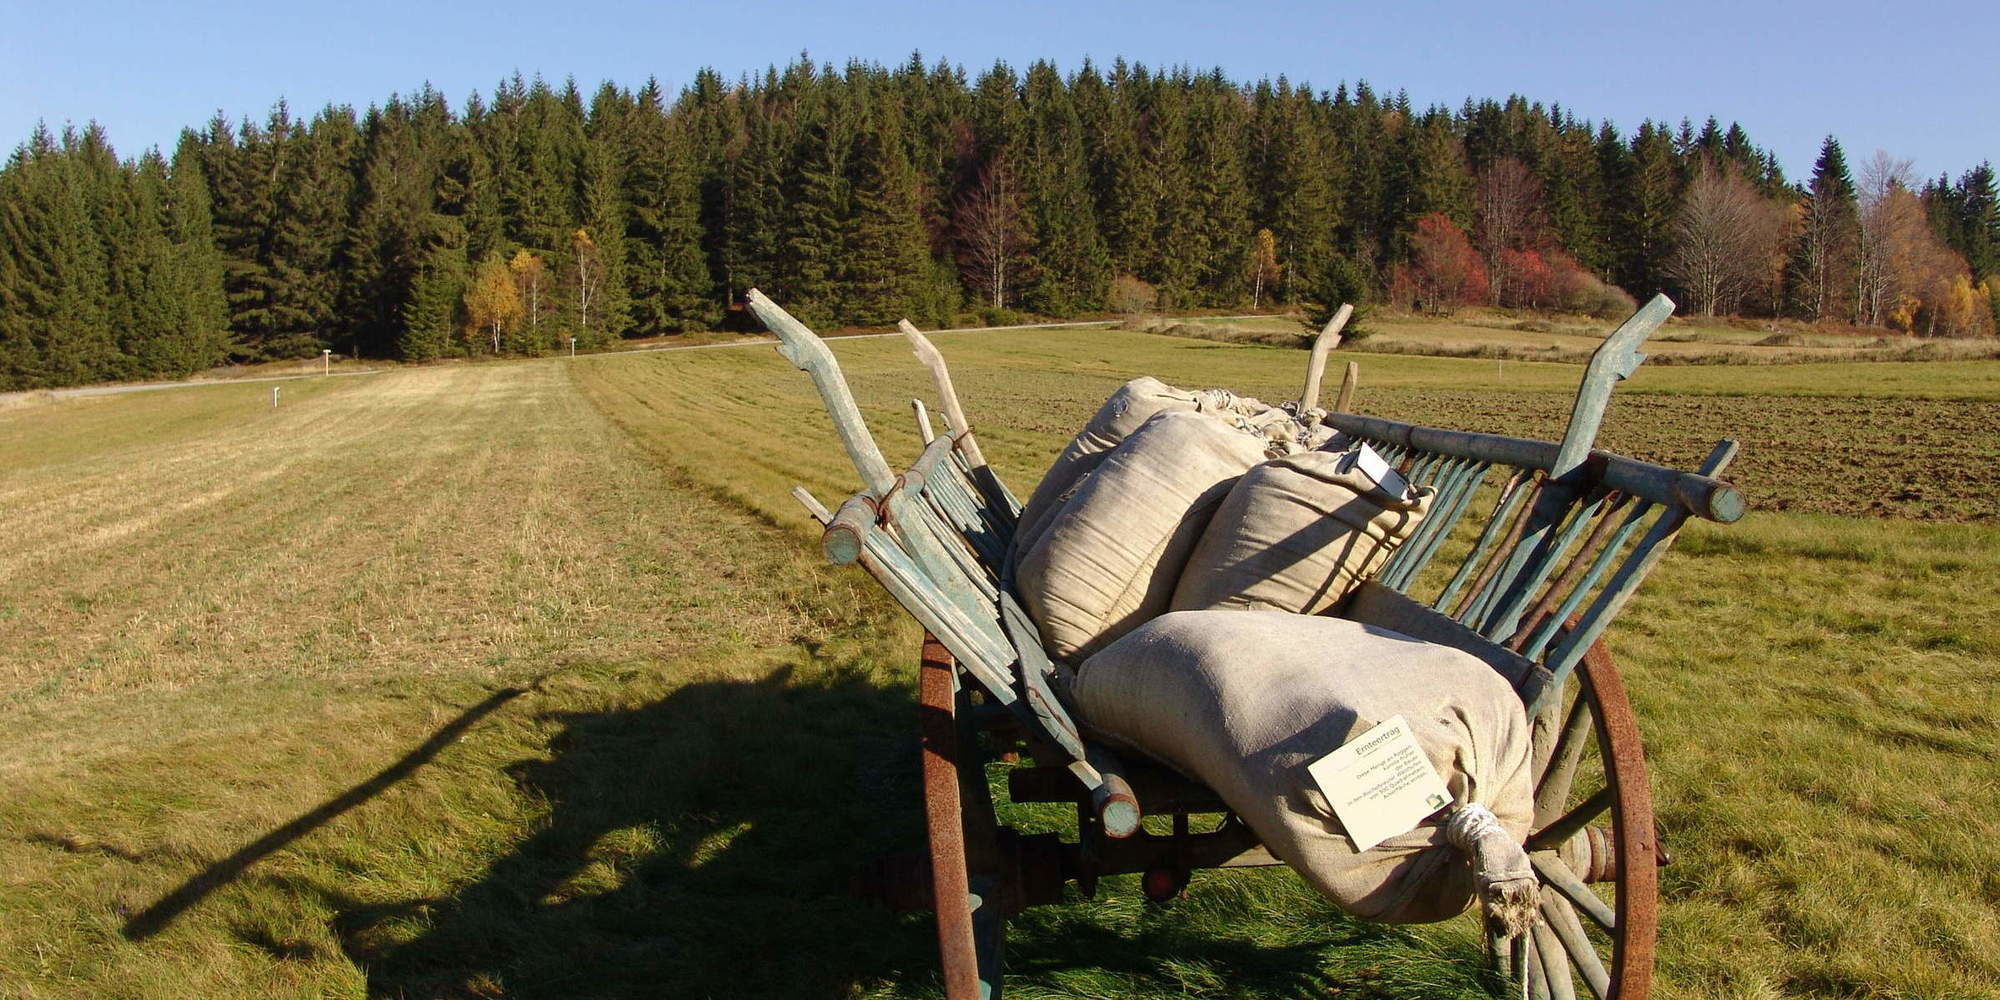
(1109, 113)
(1073, 266)
(195, 305)
(816, 209)
(1164, 190)
(1643, 208)
(1977, 228)
(667, 270)
(609, 315)
(308, 231)
(1818, 272)
(433, 312)
(54, 321)
(1303, 170)
(1361, 136)
(886, 260)
(1220, 237)
(754, 220)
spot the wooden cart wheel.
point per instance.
(958, 815)
(1600, 881)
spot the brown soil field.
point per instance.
(1911, 458)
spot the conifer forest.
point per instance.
(856, 195)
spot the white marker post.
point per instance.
(326, 361)
(572, 347)
(274, 397)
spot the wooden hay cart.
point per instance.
(1539, 545)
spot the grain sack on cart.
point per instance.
(1112, 553)
(1298, 533)
(1128, 409)
(1245, 701)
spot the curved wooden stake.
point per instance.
(1617, 358)
(954, 414)
(803, 348)
(1328, 339)
(923, 415)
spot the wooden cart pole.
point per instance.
(1328, 339)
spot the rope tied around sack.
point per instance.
(1508, 888)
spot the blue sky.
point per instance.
(1920, 80)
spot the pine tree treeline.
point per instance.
(856, 195)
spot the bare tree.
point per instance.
(992, 232)
(1511, 217)
(1719, 239)
(1886, 220)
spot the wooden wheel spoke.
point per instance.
(1553, 788)
(1531, 959)
(1558, 876)
(1500, 949)
(1552, 836)
(1555, 964)
(1562, 920)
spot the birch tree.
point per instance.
(1717, 239)
(992, 233)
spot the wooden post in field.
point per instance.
(1328, 339)
(274, 397)
(326, 361)
(572, 347)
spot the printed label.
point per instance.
(1380, 784)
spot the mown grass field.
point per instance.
(524, 679)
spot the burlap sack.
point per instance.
(1296, 533)
(1243, 701)
(1113, 552)
(1126, 411)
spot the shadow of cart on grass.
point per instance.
(703, 845)
(700, 845)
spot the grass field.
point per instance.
(524, 679)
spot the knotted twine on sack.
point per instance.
(1243, 701)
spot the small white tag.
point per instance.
(1374, 466)
(1380, 783)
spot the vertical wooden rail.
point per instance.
(954, 414)
(982, 474)
(1344, 403)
